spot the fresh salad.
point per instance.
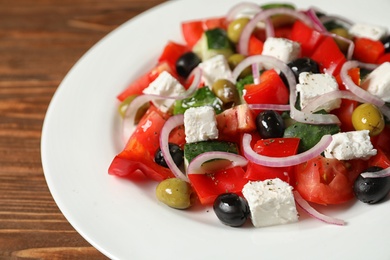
(259, 111)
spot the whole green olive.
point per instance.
(368, 117)
(235, 28)
(234, 60)
(225, 90)
(175, 193)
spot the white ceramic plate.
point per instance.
(123, 219)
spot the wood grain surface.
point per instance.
(40, 40)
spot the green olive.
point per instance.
(343, 45)
(175, 193)
(234, 60)
(235, 28)
(368, 117)
(225, 90)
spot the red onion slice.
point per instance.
(269, 107)
(323, 99)
(252, 156)
(314, 213)
(170, 124)
(349, 84)
(378, 174)
(195, 166)
(316, 21)
(264, 15)
(238, 8)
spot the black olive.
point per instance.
(186, 63)
(231, 209)
(301, 65)
(371, 190)
(270, 124)
(386, 43)
(176, 153)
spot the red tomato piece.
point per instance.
(255, 46)
(136, 87)
(380, 159)
(367, 50)
(329, 56)
(306, 36)
(382, 140)
(344, 112)
(270, 90)
(138, 154)
(172, 51)
(275, 147)
(327, 181)
(209, 186)
(235, 120)
(192, 30)
(384, 58)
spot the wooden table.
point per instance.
(40, 40)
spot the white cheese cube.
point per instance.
(214, 69)
(378, 82)
(164, 85)
(200, 124)
(282, 49)
(369, 31)
(271, 202)
(350, 145)
(311, 86)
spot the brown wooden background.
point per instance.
(40, 40)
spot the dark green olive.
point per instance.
(234, 60)
(270, 124)
(186, 63)
(231, 209)
(371, 190)
(176, 152)
(225, 90)
(175, 193)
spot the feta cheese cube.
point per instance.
(164, 85)
(214, 69)
(350, 145)
(271, 202)
(311, 86)
(283, 49)
(378, 82)
(200, 124)
(369, 31)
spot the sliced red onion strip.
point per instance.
(263, 16)
(379, 174)
(349, 84)
(316, 21)
(314, 213)
(196, 76)
(323, 99)
(195, 166)
(252, 156)
(170, 124)
(238, 8)
(351, 44)
(256, 73)
(269, 62)
(269, 107)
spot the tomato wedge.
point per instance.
(327, 181)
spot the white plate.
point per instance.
(123, 219)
